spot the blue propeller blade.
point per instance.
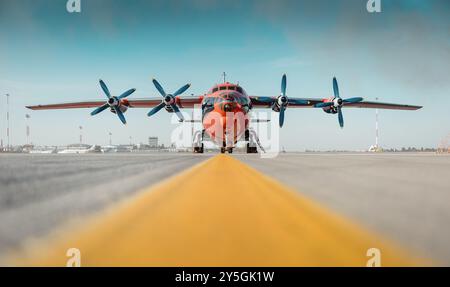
(335, 88)
(159, 88)
(120, 115)
(177, 111)
(156, 109)
(126, 94)
(181, 90)
(353, 100)
(282, 109)
(105, 89)
(340, 117)
(99, 109)
(283, 85)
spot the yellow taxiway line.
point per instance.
(218, 213)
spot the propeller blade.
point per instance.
(298, 102)
(126, 94)
(283, 85)
(335, 88)
(340, 117)
(353, 100)
(105, 89)
(181, 90)
(120, 115)
(99, 109)
(156, 109)
(159, 88)
(282, 110)
(177, 111)
(324, 105)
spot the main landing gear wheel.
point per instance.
(199, 149)
(251, 149)
(230, 150)
(198, 142)
(222, 150)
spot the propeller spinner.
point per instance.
(337, 102)
(113, 102)
(169, 100)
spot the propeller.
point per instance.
(113, 102)
(338, 102)
(282, 101)
(169, 100)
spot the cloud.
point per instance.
(408, 43)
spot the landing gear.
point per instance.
(251, 149)
(251, 146)
(198, 142)
(199, 149)
(222, 150)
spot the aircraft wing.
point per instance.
(188, 102)
(380, 105)
(266, 102)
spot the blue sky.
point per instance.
(400, 55)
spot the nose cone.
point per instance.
(226, 122)
(112, 101)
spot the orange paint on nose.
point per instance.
(227, 119)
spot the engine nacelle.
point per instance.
(331, 110)
(122, 105)
(281, 101)
(168, 109)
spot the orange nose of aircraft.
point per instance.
(226, 118)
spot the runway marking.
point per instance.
(218, 213)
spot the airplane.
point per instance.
(225, 109)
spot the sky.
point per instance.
(400, 55)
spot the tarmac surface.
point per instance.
(403, 197)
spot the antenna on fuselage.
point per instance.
(224, 77)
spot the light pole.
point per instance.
(27, 118)
(376, 126)
(7, 123)
(110, 138)
(81, 134)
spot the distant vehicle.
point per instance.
(225, 110)
(109, 148)
(43, 151)
(80, 149)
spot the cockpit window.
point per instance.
(208, 101)
(215, 90)
(231, 88)
(239, 89)
(223, 88)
